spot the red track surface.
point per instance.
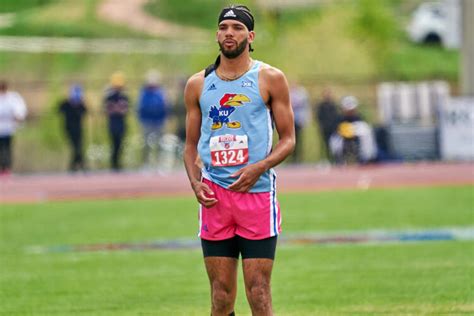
(39, 188)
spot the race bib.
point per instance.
(229, 150)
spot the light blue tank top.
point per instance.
(235, 118)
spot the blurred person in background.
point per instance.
(327, 116)
(152, 114)
(179, 112)
(300, 102)
(116, 104)
(353, 141)
(73, 110)
(12, 111)
(179, 115)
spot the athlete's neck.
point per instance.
(235, 65)
(231, 69)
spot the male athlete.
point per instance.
(232, 107)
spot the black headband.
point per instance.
(237, 13)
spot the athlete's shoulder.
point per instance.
(195, 83)
(272, 81)
(196, 79)
(271, 73)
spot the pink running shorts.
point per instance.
(252, 216)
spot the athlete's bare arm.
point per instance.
(275, 92)
(193, 131)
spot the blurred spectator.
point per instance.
(353, 141)
(116, 104)
(152, 113)
(300, 103)
(179, 111)
(383, 149)
(327, 118)
(73, 109)
(12, 111)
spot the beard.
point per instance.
(233, 53)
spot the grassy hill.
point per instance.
(9, 6)
(61, 18)
(358, 40)
(343, 39)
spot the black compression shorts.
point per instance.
(264, 248)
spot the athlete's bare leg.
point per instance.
(222, 272)
(257, 276)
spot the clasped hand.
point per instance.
(247, 177)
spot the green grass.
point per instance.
(201, 13)
(19, 5)
(68, 19)
(359, 41)
(204, 13)
(409, 61)
(410, 279)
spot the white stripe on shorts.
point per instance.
(200, 220)
(272, 205)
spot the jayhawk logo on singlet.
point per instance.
(228, 103)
